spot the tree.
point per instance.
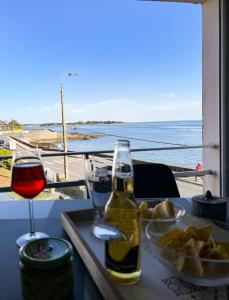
(13, 124)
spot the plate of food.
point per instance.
(196, 251)
(164, 214)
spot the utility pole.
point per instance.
(65, 142)
(64, 132)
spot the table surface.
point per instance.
(14, 222)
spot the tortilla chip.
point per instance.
(193, 266)
(176, 258)
(219, 252)
(207, 249)
(199, 234)
(190, 245)
(224, 244)
(214, 269)
(173, 239)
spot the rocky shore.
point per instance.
(46, 138)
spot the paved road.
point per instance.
(75, 166)
(56, 164)
(188, 189)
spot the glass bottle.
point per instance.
(122, 256)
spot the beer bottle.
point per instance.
(122, 256)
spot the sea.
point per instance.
(143, 135)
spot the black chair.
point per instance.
(154, 180)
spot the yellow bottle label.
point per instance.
(123, 254)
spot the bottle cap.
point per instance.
(123, 142)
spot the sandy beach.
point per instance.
(46, 138)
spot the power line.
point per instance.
(136, 139)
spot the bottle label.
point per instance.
(115, 261)
(125, 219)
(122, 255)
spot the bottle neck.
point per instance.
(122, 185)
(122, 172)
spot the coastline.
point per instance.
(53, 165)
(141, 135)
(47, 138)
(75, 123)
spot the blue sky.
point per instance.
(136, 61)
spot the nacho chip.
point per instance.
(213, 269)
(207, 249)
(192, 244)
(199, 234)
(173, 239)
(224, 244)
(193, 266)
(176, 258)
(193, 247)
(219, 252)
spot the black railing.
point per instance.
(86, 154)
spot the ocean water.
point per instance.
(145, 135)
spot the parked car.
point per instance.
(2, 143)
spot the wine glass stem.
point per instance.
(31, 217)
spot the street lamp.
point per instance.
(63, 122)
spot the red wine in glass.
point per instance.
(28, 180)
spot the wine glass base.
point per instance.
(28, 237)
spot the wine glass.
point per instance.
(28, 180)
(99, 184)
(98, 177)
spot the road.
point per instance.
(75, 166)
(56, 164)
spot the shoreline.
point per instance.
(75, 123)
(150, 136)
(48, 139)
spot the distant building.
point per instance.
(3, 125)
